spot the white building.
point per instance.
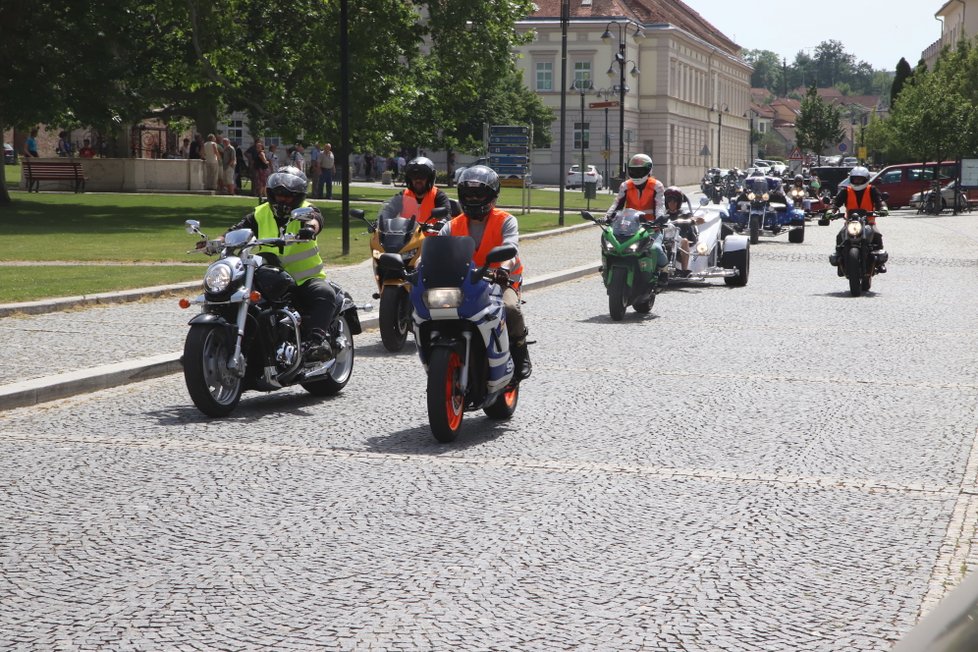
(687, 96)
(959, 19)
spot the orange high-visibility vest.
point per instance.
(492, 236)
(410, 207)
(866, 204)
(645, 202)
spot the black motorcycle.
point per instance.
(249, 333)
(855, 256)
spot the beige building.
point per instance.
(959, 19)
(687, 91)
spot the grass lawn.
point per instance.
(135, 236)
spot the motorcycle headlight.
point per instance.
(377, 253)
(750, 196)
(633, 247)
(607, 245)
(702, 248)
(443, 298)
(765, 196)
(218, 277)
(854, 228)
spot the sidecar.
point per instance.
(717, 252)
(755, 214)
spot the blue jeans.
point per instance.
(325, 179)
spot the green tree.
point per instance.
(819, 123)
(768, 71)
(903, 73)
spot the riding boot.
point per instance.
(318, 348)
(521, 359)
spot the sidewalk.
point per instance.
(87, 347)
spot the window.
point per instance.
(235, 131)
(545, 76)
(894, 176)
(582, 74)
(582, 132)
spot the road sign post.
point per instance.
(509, 156)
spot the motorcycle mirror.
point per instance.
(456, 207)
(587, 216)
(192, 226)
(501, 253)
(439, 213)
(303, 214)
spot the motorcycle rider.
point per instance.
(860, 195)
(478, 188)
(677, 206)
(420, 196)
(315, 298)
(641, 191)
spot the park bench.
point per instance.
(67, 170)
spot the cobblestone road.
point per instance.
(777, 467)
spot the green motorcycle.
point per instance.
(630, 260)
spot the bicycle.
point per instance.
(931, 201)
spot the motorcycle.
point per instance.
(716, 190)
(854, 257)
(249, 333)
(403, 236)
(757, 215)
(715, 252)
(629, 261)
(460, 331)
(799, 197)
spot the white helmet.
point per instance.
(858, 177)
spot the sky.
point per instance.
(878, 32)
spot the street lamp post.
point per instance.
(720, 112)
(750, 134)
(583, 85)
(622, 60)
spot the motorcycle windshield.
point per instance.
(445, 260)
(626, 224)
(395, 232)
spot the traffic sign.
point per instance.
(503, 161)
(510, 169)
(603, 105)
(508, 140)
(842, 147)
(795, 155)
(509, 130)
(508, 149)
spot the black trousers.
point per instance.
(317, 299)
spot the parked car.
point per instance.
(947, 197)
(591, 175)
(8, 154)
(901, 181)
(851, 161)
(778, 168)
(482, 160)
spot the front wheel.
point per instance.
(394, 317)
(755, 229)
(446, 403)
(342, 369)
(854, 271)
(618, 293)
(214, 388)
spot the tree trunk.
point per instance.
(4, 195)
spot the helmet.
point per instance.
(639, 168)
(858, 177)
(420, 167)
(673, 193)
(478, 187)
(799, 179)
(286, 189)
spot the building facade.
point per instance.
(959, 19)
(686, 91)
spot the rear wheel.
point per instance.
(214, 388)
(618, 294)
(739, 260)
(342, 369)
(505, 405)
(394, 317)
(854, 271)
(446, 403)
(797, 236)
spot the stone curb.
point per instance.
(51, 388)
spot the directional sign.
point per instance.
(603, 105)
(497, 161)
(508, 149)
(509, 169)
(507, 140)
(509, 130)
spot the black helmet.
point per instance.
(420, 167)
(286, 190)
(673, 193)
(478, 187)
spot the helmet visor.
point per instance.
(638, 171)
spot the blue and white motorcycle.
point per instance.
(755, 213)
(460, 332)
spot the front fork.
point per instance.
(237, 361)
